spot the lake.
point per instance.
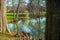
(29, 26)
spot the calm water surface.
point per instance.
(29, 26)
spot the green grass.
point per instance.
(43, 13)
(10, 16)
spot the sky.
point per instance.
(26, 1)
(9, 2)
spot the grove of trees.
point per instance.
(33, 8)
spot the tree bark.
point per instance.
(3, 14)
(16, 16)
(50, 20)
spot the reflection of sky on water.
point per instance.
(26, 29)
(10, 26)
(29, 29)
(33, 21)
(19, 21)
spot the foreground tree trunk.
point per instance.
(50, 20)
(3, 15)
(0, 21)
(3, 19)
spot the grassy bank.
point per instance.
(10, 16)
(5, 36)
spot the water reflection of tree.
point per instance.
(35, 29)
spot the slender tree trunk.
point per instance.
(17, 10)
(13, 7)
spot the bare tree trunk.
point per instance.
(0, 17)
(3, 19)
(13, 7)
(0, 21)
(16, 16)
(3, 12)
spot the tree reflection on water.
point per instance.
(32, 27)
